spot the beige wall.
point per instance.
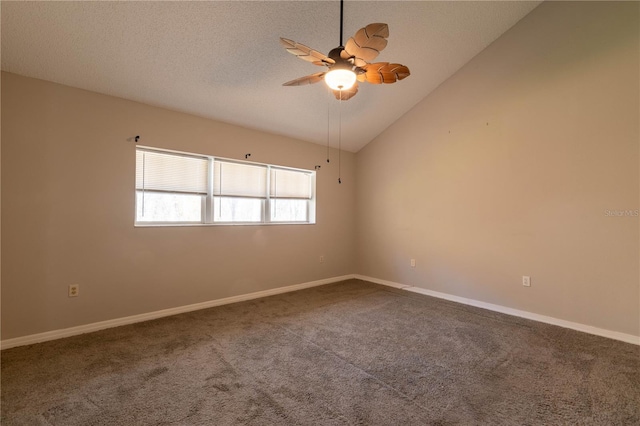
(68, 212)
(508, 168)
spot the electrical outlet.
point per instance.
(526, 281)
(413, 263)
(321, 259)
(74, 290)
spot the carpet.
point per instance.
(350, 353)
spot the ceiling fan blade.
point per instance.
(346, 94)
(384, 72)
(306, 53)
(367, 43)
(309, 79)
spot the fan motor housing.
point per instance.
(335, 54)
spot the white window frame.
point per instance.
(208, 216)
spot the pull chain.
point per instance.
(340, 138)
(328, 119)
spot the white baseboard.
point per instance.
(382, 282)
(628, 338)
(88, 328)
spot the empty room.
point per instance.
(320, 213)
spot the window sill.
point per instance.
(169, 225)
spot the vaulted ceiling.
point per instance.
(223, 59)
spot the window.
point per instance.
(239, 191)
(170, 187)
(178, 188)
(290, 192)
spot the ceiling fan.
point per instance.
(350, 62)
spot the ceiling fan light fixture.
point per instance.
(340, 79)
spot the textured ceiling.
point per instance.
(223, 60)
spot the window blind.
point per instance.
(290, 184)
(157, 171)
(240, 180)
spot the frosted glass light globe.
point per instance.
(340, 79)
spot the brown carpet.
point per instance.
(351, 353)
